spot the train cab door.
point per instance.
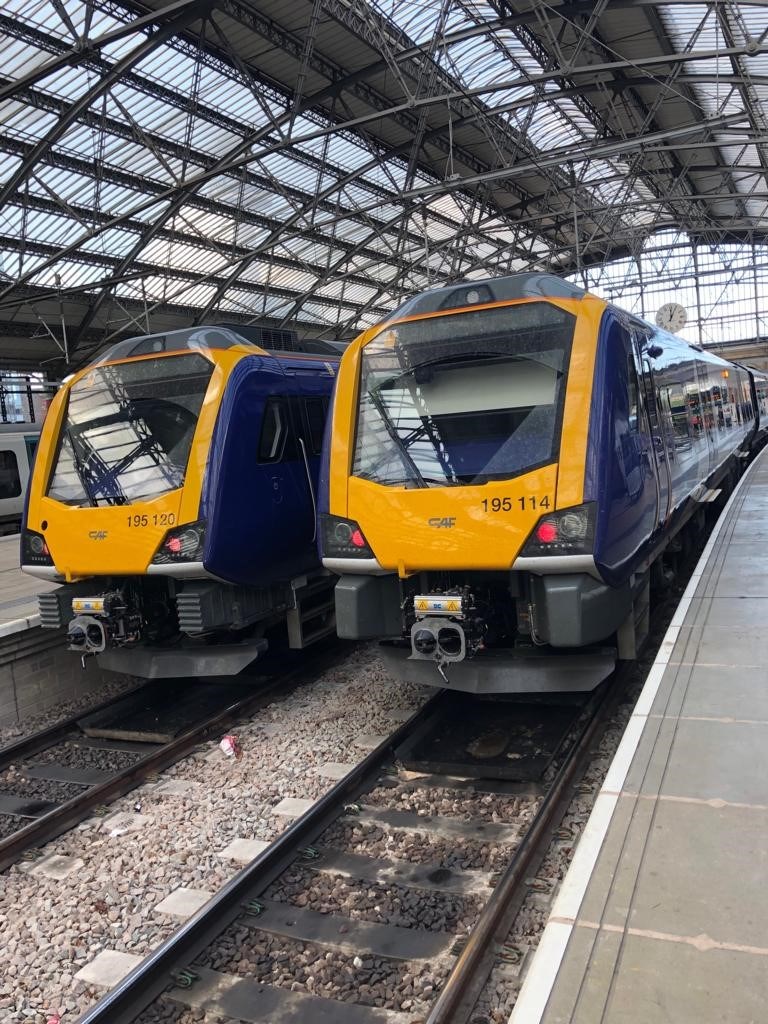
(662, 433)
(293, 428)
(314, 404)
(291, 530)
(656, 428)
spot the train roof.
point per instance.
(218, 336)
(756, 373)
(533, 285)
(276, 341)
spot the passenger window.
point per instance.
(315, 409)
(274, 429)
(672, 401)
(10, 484)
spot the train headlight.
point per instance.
(343, 538)
(571, 531)
(182, 544)
(34, 549)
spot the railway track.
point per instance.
(391, 899)
(52, 780)
(387, 899)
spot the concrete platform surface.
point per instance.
(663, 915)
(18, 591)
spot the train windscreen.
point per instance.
(463, 398)
(128, 431)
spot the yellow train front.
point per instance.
(508, 459)
(173, 496)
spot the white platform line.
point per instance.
(650, 688)
(537, 987)
(544, 968)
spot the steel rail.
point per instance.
(153, 975)
(463, 985)
(70, 813)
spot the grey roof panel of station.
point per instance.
(170, 163)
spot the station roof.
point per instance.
(312, 162)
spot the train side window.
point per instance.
(31, 443)
(10, 483)
(274, 430)
(672, 400)
(315, 410)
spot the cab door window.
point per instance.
(274, 430)
(277, 442)
(315, 410)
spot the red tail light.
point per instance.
(182, 544)
(569, 531)
(342, 538)
(546, 532)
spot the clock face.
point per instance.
(671, 317)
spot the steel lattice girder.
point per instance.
(380, 116)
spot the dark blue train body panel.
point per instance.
(666, 420)
(260, 515)
(619, 475)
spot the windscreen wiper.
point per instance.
(80, 470)
(390, 428)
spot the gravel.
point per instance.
(448, 803)
(109, 902)
(9, 824)
(416, 847)
(86, 758)
(312, 969)
(377, 902)
(14, 783)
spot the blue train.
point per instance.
(511, 461)
(173, 495)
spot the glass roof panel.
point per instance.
(481, 192)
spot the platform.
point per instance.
(37, 672)
(663, 915)
(18, 591)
